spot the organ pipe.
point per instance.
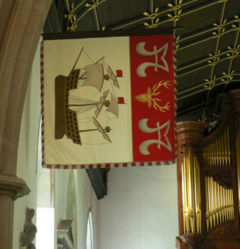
(191, 194)
(219, 203)
(218, 153)
(238, 162)
(209, 174)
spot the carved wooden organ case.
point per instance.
(209, 180)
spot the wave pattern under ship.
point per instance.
(68, 108)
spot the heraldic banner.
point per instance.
(108, 101)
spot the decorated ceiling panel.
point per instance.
(207, 38)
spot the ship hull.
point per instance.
(65, 119)
(60, 94)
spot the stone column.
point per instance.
(21, 24)
(11, 188)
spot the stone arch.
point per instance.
(21, 24)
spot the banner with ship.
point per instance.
(108, 101)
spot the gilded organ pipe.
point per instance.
(209, 194)
(238, 162)
(218, 153)
(207, 204)
(186, 220)
(197, 194)
(210, 203)
(219, 203)
(190, 164)
(191, 194)
(221, 200)
(228, 146)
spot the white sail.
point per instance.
(91, 99)
(113, 107)
(94, 75)
(101, 103)
(112, 76)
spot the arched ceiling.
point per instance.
(207, 37)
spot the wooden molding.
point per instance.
(190, 132)
(235, 99)
(224, 118)
(230, 103)
(192, 240)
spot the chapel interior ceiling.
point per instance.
(207, 40)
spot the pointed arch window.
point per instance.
(89, 239)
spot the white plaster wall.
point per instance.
(27, 149)
(140, 210)
(61, 185)
(28, 170)
(94, 210)
(85, 200)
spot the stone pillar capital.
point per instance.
(13, 186)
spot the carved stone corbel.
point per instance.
(29, 231)
(13, 186)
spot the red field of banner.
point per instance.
(153, 103)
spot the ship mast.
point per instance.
(100, 129)
(74, 65)
(86, 105)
